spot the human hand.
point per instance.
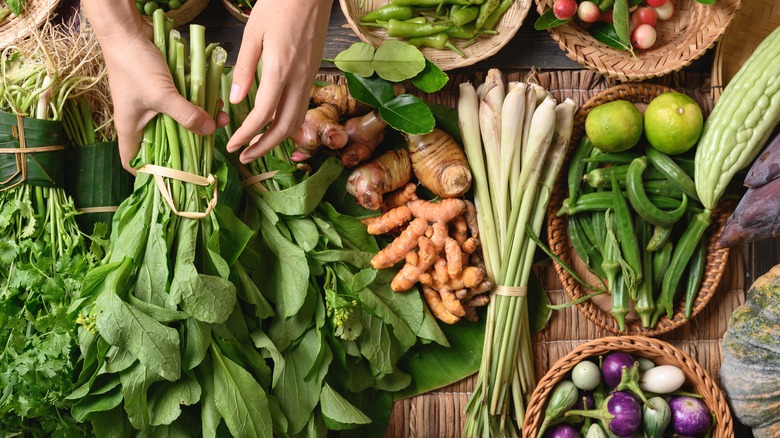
(289, 36)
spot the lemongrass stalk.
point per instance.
(530, 107)
(468, 119)
(512, 116)
(490, 127)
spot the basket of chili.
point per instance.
(460, 37)
(567, 236)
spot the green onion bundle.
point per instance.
(515, 142)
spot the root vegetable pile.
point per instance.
(446, 262)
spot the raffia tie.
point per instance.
(158, 172)
(106, 209)
(510, 291)
(21, 152)
(255, 180)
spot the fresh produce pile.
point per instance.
(633, 213)
(435, 23)
(627, 395)
(147, 7)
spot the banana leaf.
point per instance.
(45, 169)
(97, 179)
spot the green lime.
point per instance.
(673, 123)
(614, 126)
(150, 7)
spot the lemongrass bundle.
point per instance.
(515, 144)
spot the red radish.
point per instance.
(644, 15)
(606, 17)
(665, 11)
(656, 3)
(564, 9)
(588, 12)
(643, 36)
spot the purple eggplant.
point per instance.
(690, 416)
(621, 413)
(766, 168)
(621, 372)
(756, 217)
(584, 401)
(562, 431)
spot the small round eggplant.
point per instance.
(595, 431)
(690, 416)
(621, 413)
(655, 421)
(586, 375)
(584, 401)
(645, 364)
(563, 397)
(662, 379)
(612, 367)
(562, 431)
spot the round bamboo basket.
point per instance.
(662, 353)
(692, 30)
(446, 59)
(235, 11)
(186, 13)
(597, 309)
(13, 28)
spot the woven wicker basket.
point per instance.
(692, 30)
(697, 379)
(234, 11)
(13, 28)
(186, 13)
(558, 239)
(445, 59)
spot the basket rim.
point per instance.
(560, 245)
(585, 50)
(16, 28)
(641, 346)
(185, 14)
(234, 11)
(521, 7)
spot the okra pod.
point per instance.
(577, 166)
(685, 248)
(661, 259)
(629, 245)
(609, 263)
(600, 201)
(642, 204)
(613, 158)
(645, 304)
(659, 238)
(599, 227)
(599, 177)
(620, 301)
(666, 165)
(584, 247)
(695, 277)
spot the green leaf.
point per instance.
(446, 119)
(372, 91)
(210, 417)
(620, 20)
(409, 114)
(350, 229)
(289, 270)
(377, 406)
(234, 235)
(240, 399)
(16, 6)
(304, 232)
(135, 384)
(538, 306)
(356, 59)
(605, 33)
(167, 398)
(263, 342)
(303, 198)
(196, 343)
(298, 396)
(337, 408)
(111, 424)
(548, 20)
(398, 61)
(82, 409)
(431, 79)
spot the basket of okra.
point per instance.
(618, 262)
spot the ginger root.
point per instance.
(369, 181)
(320, 127)
(365, 133)
(440, 163)
(338, 95)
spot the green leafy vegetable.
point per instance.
(431, 79)
(356, 59)
(397, 61)
(409, 114)
(548, 20)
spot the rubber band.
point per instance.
(21, 152)
(158, 172)
(107, 209)
(255, 180)
(510, 291)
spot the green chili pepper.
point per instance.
(407, 29)
(437, 41)
(485, 9)
(389, 11)
(641, 203)
(461, 32)
(660, 237)
(463, 16)
(686, 246)
(629, 246)
(430, 2)
(495, 17)
(417, 20)
(666, 165)
(695, 277)
(645, 305)
(577, 167)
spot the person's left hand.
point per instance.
(289, 37)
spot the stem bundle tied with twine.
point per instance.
(515, 139)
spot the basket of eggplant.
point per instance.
(624, 386)
(633, 247)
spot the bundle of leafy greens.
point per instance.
(338, 329)
(43, 255)
(166, 348)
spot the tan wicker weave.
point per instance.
(13, 28)
(754, 21)
(445, 59)
(692, 30)
(662, 353)
(186, 13)
(598, 310)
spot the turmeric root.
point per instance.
(454, 257)
(401, 196)
(320, 127)
(479, 301)
(369, 181)
(451, 303)
(365, 133)
(469, 277)
(439, 237)
(338, 95)
(397, 249)
(390, 220)
(469, 245)
(433, 298)
(415, 266)
(440, 163)
(471, 218)
(440, 267)
(459, 229)
(471, 314)
(443, 211)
